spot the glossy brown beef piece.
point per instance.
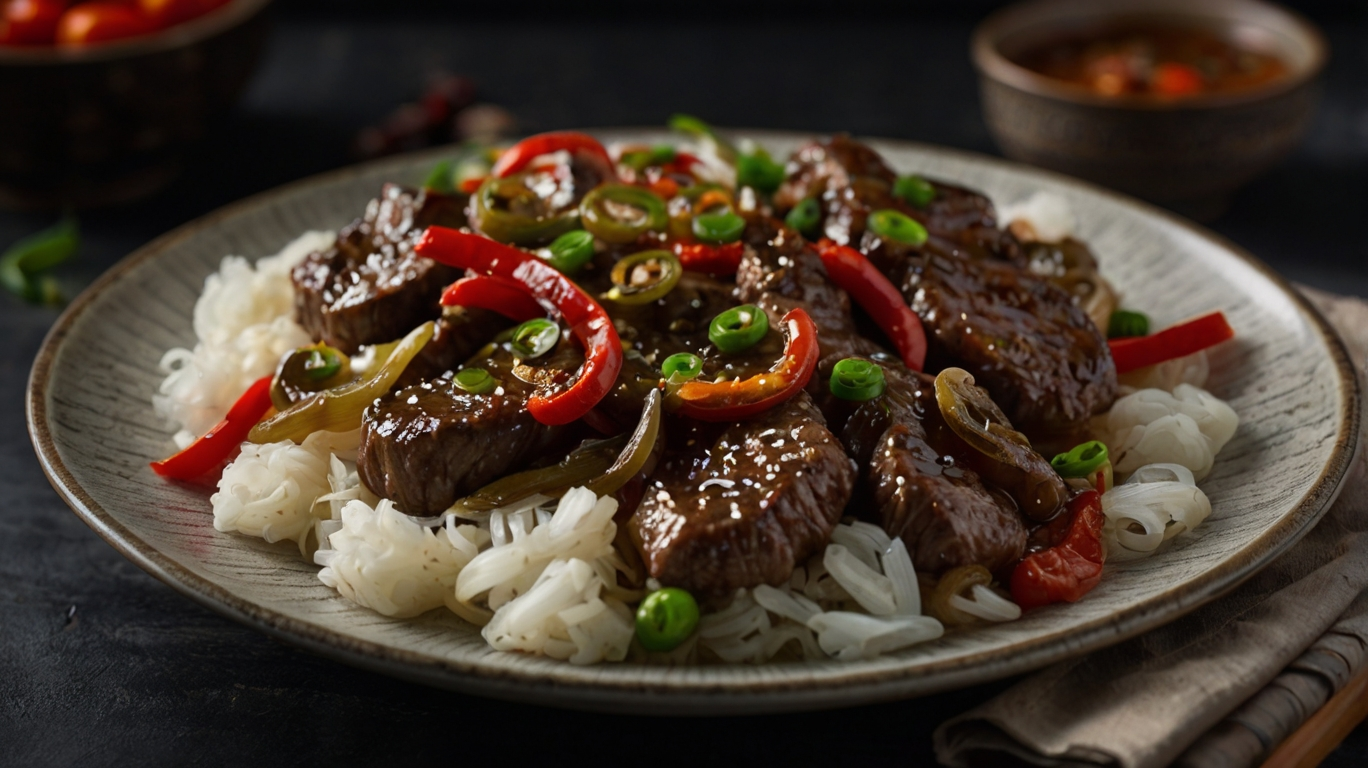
(851, 181)
(737, 505)
(1037, 353)
(460, 333)
(429, 444)
(370, 287)
(918, 491)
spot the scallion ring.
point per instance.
(618, 213)
(640, 159)
(534, 338)
(805, 217)
(898, 227)
(1081, 461)
(644, 277)
(1125, 324)
(322, 363)
(857, 380)
(718, 228)
(738, 329)
(571, 251)
(759, 172)
(476, 381)
(681, 367)
(915, 190)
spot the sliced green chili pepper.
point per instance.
(644, 277)
(508, 226)
(476, 381)
(757, 170)
(636, 452)
(339, 409)
(666, 618)
(603, 212)
(534, 338)
(898, 227)
(681, 367)
(308, 369)
(661, 154)
(1081, 461)
(856, 379)
(718, 228)
(441, 178)
(739, 328)
(1125, 324)
(23, 263)
(805, 216)
(915, 190)
(571, 251)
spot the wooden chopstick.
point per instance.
(1323, 731)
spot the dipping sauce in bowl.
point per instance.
(1158, 61)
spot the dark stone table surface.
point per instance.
(100, 664)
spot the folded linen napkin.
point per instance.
(1221, 686)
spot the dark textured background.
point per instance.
(102, 665)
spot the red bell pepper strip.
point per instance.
(587, 320)
(521, 155)
(737, 399)
(496, 294)
(1070, 569)
(471, 185)
(1173, 342)
(210, 451)
(712, 259)
(849, 269)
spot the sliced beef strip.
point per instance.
(460, 333)
(739, 505)
(941, 509)
(1024, 340)
(431, 443)
(370, 287)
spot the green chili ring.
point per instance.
(534, 338)
(898, 227)
(476, 381)
(718, 228)
(1125, 324)
(600, 221)
(1081, 461)
(738, 329)
(666, 618)
(857, 380)
(681, 367)
(570, 251)
(915, 190)
(515, 228)
(805, 216)
(661, 270)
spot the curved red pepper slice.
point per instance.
(521, 155)
(496, 294)
(732, 400)
(215, 446)
(712, 259)
(849, 269)
(1176, 341)
(1070, 569)
(587, 320)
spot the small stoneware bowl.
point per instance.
(111, 123)
(1188, 153)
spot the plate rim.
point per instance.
(699, 697)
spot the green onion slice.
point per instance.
(759, 171)
(898, 227)
(666, 618)
(1126, 324)
(441, 178)
(476, 381)
(738, 329)
(857, 380)
(644, 277)
(718, 227)
(681, 367)
(22, 264)
(640, 159)
(915, 190)
(805, 217)
(570, 251)
(534, 338)
(322, 364)
(618, 213)
(1082, 461)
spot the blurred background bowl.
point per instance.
(1188, 153)
(112, 123)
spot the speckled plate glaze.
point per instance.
(1288, 377)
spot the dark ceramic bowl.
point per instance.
(1189, 153)
(112, 123)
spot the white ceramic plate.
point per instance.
(1287, 376)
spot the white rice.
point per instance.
(1188, 426)
(1046, 216)
(1158, 502)
(244, 324)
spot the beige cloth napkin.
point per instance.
(1219, 687)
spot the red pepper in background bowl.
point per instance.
(849, 269)
(738, 399)
(209, 452)
(587, 320)
(1070, 569)
(30, 22)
